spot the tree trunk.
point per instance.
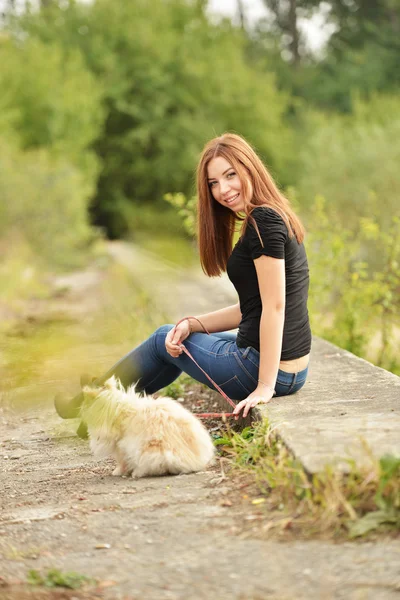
(294, 33)
(242, 16)
(285, 17)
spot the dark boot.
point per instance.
(66, 407)
(82, 430)
(87, 379)
(69, 408)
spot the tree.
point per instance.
(242, 14)
(360, 20)
(171, 81)
(50, 100)
(283, 21)
(362, 55)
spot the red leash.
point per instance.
(207, 415)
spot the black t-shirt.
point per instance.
(242, 273)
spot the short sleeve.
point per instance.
(273, 232)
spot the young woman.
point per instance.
(268, 267)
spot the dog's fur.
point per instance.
(146, 436)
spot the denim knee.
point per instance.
(157, 339)
(164, 329)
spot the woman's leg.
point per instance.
(149, 366)
(146, 366)
(217, 355)
(139, 367)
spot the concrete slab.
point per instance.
(347, 409)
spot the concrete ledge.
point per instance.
(346, 403)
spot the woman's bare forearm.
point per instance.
(224, 319)
(271, 332)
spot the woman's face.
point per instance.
(225, 184)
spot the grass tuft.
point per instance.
(329, 503)
(179, 387)
(56, 578)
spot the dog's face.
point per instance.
(110, 387)
(89, 395)
(103, 408)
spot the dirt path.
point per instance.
(160, 538)
(177, 292)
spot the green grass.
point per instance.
(329, 503)
(28, 344)
(57, 347)
(179, 387)
(55, 578)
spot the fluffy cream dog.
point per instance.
(146, 436)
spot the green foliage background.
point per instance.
(106, 106)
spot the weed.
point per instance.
(330, 502)
(387, 499)
(55, 578)
(177, 388)
(13, 553)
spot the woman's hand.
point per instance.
(261, 395)
(175, 337)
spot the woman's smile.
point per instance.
(232, 199)
(225, 184)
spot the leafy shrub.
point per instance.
(50, 100)
(44, 201)
(353, 161)
(351, 300)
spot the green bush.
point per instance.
(50, 100)
(352, 303)
(353, 161)
(44, 201)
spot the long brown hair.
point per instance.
(216, 223)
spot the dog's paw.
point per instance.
(118, 471)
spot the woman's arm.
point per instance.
(219, 320)
(271, 282)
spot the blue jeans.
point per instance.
(234, 369)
